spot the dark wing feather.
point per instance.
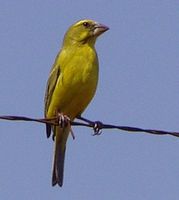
(54, 74)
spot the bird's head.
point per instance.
(84, 31)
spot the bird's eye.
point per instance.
(86, 24)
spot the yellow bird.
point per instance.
(72, 84)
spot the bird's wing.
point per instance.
(54, 74)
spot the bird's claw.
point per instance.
(97, 127)
(63, 120)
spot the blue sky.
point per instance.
(138, 86)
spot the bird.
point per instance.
(71, 85)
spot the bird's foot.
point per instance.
(97, 127)
(64, 121)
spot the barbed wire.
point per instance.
(97, 126)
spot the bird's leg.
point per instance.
(96, 125)
(64, 121)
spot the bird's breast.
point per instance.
(77, 84)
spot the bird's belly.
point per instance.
(80, 93)
(78, 102)
(72, 97)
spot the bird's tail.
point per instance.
(61, 135)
